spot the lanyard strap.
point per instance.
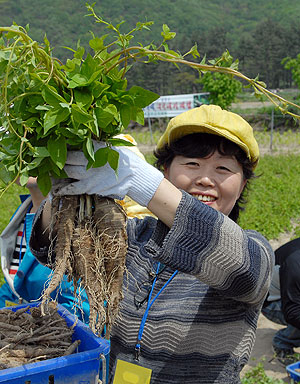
(149, 305)
(23, 234)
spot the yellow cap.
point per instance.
(214, 120)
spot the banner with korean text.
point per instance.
(173, 105)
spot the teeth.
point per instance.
(204, 198)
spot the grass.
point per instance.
(9, 203)
(273, 197)
(280, 140)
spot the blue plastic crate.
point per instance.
(86, 366)
(294, 375)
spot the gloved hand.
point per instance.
(135, 177)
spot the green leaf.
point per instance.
(93, 126)
(101, 157)
(113, 159)
(83, 97)
(41, 152)
(35, 163)
(51, 96)
(261, 83)
(88, 67)
(72, 65)
(90, 148)
(80, 115)
(57, 148)
(77, 80)
(98, 89)
(89, 72)
(106, 116)
(194, 52)
(142, 97)
(44, 183)
(120, 142)
(137, 114)
(55, 116)
(23, 179)
(167, 34)
(97, 43)
(125, 113)
(79, 53)
(5, 175)
(42, 108)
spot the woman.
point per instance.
(196, 281)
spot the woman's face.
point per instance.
(217, 180)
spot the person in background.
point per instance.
(25, 277)
(195, 280)
(282, 305)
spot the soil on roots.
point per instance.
(90, 247)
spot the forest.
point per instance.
(258, 34)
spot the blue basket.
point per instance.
(86, 366)
(292, 373)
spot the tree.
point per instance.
(263, 53)
(222, 88)
(294, 66)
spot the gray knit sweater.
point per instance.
(201, 328)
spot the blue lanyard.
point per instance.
(23, 234)
(149, 305)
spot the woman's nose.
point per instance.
(204, 180)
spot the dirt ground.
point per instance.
(263, 352)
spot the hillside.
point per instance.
(64, 21)
(259, 33)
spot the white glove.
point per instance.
(135, 177)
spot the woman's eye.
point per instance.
(193, 163)
(222, 168)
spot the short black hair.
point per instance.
(203, 145)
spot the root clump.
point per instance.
(90, 248)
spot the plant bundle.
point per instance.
(48, 108)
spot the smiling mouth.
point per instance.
(204, 198)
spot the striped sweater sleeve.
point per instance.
(207, 244)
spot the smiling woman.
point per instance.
(195, 280)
